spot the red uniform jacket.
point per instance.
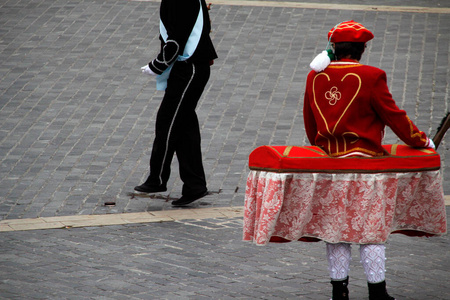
(347, 107)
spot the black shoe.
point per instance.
(185, 200)
(148, 189)
(377, 291)
(340, 289)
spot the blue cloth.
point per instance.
(189, 49)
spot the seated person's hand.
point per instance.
(430, 144)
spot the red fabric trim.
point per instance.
(410, 233)
(401, 158)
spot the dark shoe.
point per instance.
(148, 189)
(185, 200)
(340, 289)
(377, 291)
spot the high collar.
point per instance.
(346, 61)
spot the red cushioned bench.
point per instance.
(300, 193)
(299, 159)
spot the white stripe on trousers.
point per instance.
(173, 121)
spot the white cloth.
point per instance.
(346, 208)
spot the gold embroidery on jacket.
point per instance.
(417, 134)
(333, 95)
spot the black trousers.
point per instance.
(177, 129)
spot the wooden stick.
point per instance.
(442, 129)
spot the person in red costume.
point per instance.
(346, 108)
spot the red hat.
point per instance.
(349, 31)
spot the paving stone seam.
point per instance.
(127, 218)
(329, 6)
(62, 222)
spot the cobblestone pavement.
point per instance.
(76, 126)
(200, 259)
(77, 116)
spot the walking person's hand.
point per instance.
(146, 70)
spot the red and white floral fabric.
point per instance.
(346, 207)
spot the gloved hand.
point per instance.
(430, 144)
(146, 70)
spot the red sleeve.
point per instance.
(393, 116)
(308, 116)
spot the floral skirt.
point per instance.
(344, 207)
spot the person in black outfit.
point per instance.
(177, 128)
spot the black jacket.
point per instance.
(179, 16)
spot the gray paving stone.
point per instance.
(196, 259)
(77, 121)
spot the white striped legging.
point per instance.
(372, 258)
